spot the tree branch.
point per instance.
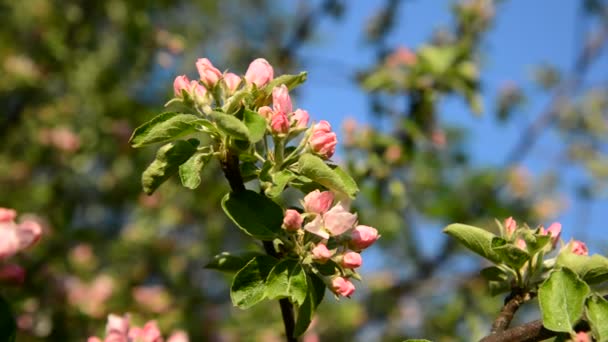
(512, 303)
(232, 172)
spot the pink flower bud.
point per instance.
(14, 238)
(351, 260)
(521, 244)
(209, 74)
(510, 225)
(579, 248)
(279, 123)
(281, 101)
(266, 112)
(318, 202)
(232, 82)
(94, 339)
(300, 118)
(7, 215)
(342, 286)
(554, 231)
(260, 72)
(338, 220)
(322, 140)
(197, 90)
(29, 233)
(363, 237)
(178, 336)
(13, 274)
(117, 324)
(292, 220)
(320, 253)
(582, 336)
(149, 333)
(181, 83)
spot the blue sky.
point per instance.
(525, 34)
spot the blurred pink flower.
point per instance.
(153, 298)
(181, 83)
(401, 56)
(510, 225)
(266, 112)
(16, 237)
(12, 274)
(232, 81)
(7, 215)
(178, 336)
(579, 248)
(260, 72)
(209, 74)
(90, 298)
(554, 231)
(292, 220)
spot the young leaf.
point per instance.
(165, 127)
(494, 273)
(306, 311)
(256, 124)
(8, 328)
(509, 253)
(592, 269)
(535, 242)
(190, 171)
(168, 159)
(248, 285)
(290, 81)
(348, 181)
(287, 279)
(315, 168)
(597, 315)
(279, 182)
(255, 214)
(561, 298)
(476, 239)
(227, 262)
(230, 125)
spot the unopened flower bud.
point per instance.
(279, 123)
(320, 253)
(232, 81)
(579, 248)
(351, 260)
(510, 225)
(266, 112)
(582, 336)
(342, 286)
(318, 202)
(281, 101)
(521, 244)
(178, 336)
(322, 140)
(260, 72)
(181, 83)
(363, 237)
(300, 118)
(209, 74)
(292, 220)
(197, 91)
(554, 231)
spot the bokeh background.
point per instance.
(447, 111)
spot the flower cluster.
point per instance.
(554, 232)
(334, 238)
(15, 237)
(119, 329)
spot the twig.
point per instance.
(232, 172)
(512, 303)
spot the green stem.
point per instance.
(279, 150)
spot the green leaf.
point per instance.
(190, 171)
(597, 315)
(306, 311)
(230, 125)
(249, 284)
(509, 253)
(494, 273)
(165, 127)
(348, 181)
(287, 280)
(561, 298)
(168, 159)
(476, 239)
(227, 262)
(592, 269)
(315, 168)
(255, 214)
(290, 81)
(535, 242)
(234, 102)
(279, 182)
(256, 124)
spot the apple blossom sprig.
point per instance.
(257, 134)
(536, 262)
(120, 329)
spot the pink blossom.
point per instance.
(554, 231)
(232, 81)
(197, 90)
(521, 244)
(401, 56)
(266, 112)
(320, 253)
(178, 336)
(13, 274)
(209, 74)
(94, 339)
(338, 220)
(579, 248)
(323, 141)
(318, 202)
(281, 101)
(14, 238)
(279, 123)
(260, 72)
(582, 336)
(149, 333)
(342, 286)
(363, 237)
(316, 227)
(117, 324)
(300, 118)
(292, 220)
(154, 298)
(510, 225)
(7, 215)
(351, 260)
(181, 83)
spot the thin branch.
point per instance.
(513, 302)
